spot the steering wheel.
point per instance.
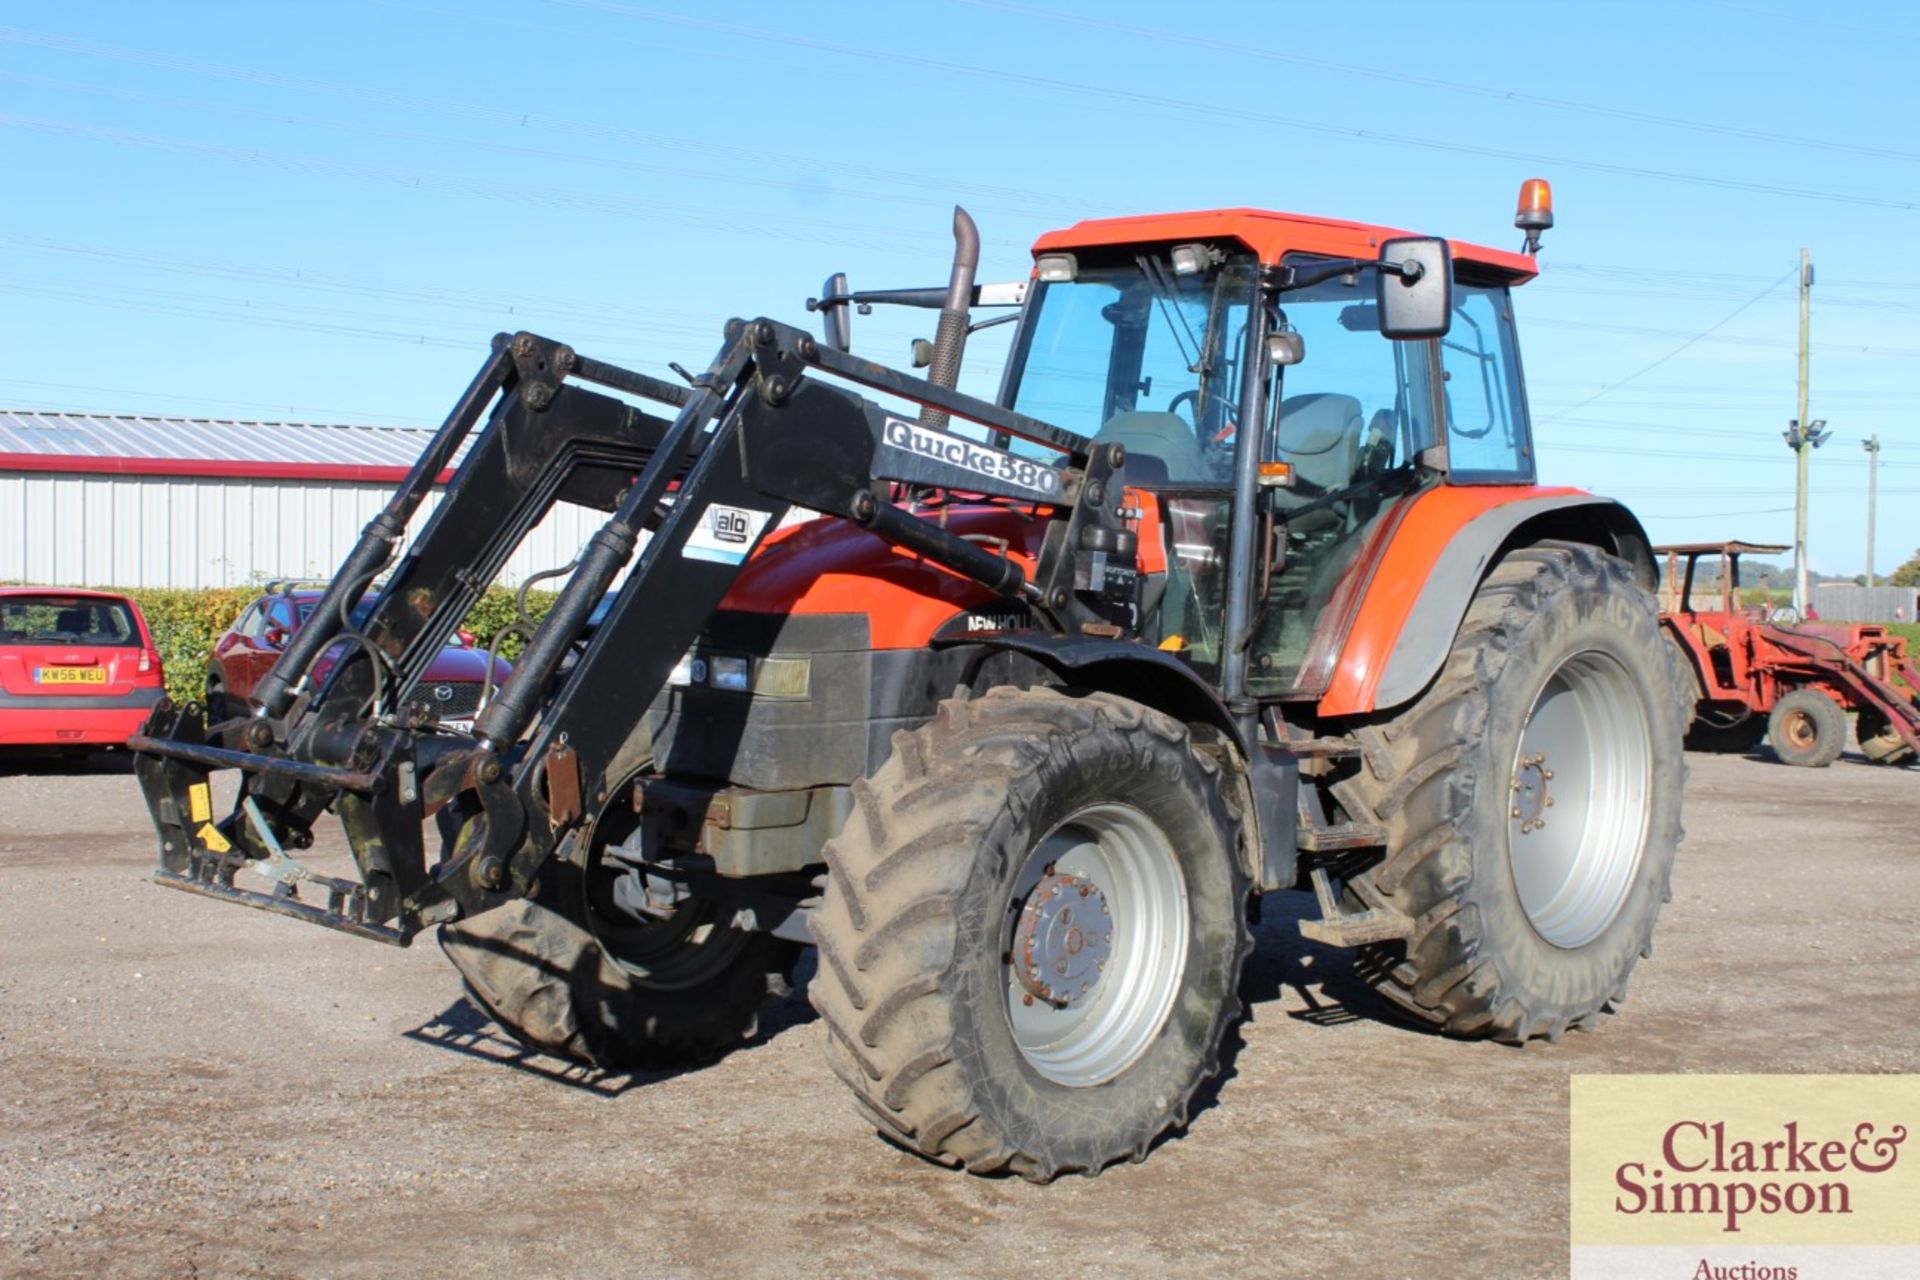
(1192, 397)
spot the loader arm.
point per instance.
(761, 432)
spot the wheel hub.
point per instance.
(1800, 730)
(1531, 797)
(1063, 939)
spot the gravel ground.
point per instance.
(188, 1088)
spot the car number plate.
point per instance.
(70, 675)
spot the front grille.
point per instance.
(449, 699)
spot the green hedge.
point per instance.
(186, 622)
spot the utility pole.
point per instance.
(1799, 443)
(1872, 445)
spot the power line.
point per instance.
(1727, 319)
(1161, 102)
(944, 184)
(1161, 35)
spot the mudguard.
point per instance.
(1163, 681)
(1437, 557)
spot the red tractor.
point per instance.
(1243, 583)
(1789, 683)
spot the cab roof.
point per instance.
(1736, 548)
(1271, 235)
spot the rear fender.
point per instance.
(1427, 577)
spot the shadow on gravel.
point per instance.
(461, 1028)
(1326, 979)
(57, 762)
(464, 1029)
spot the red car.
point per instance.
(243, 656)
(77, 668)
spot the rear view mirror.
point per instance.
(836, 320)
(1415, 284)
(275, 635)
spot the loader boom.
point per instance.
(759, 433)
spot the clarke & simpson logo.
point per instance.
(1744, 1177)
(1702, 1170)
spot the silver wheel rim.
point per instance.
(1581, 782)
(1096, 945)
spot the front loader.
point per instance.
(1242, 584)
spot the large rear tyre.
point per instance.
(570, 973)
(1532, 803)
(1807, 728)
(1032, 933)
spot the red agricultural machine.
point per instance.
(1243, 583)
(1789, 684)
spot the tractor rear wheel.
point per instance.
(572, 973)
(1531, 799)
(1032, 933)
(1807, 728)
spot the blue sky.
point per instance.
(322, 210)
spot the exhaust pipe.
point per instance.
(950, 339)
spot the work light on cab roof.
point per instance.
(1535, 213)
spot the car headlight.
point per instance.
(728, 673)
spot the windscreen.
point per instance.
(1133, 353)
(66, 620)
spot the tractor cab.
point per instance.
(1137, 332)
(1686, 594)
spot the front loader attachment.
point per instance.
(690, 491)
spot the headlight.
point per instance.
(689, 670)
(762, 677)
(728, 673)
(782, 677)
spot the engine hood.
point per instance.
(830, 565)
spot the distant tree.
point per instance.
(1908, 574)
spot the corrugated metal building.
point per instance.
(135, 501)
(1845, 602)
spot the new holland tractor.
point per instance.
(1011, 708)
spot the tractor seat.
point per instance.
(1319, 434)
(1161, 447)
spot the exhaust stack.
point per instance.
(950, 339)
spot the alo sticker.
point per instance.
(724, 535)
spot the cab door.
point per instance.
(1354, 425)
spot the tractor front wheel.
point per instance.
(1032, 933)
(1531, 800)
(575, 972)
(1878, 742)
(1807, 728)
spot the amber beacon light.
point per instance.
(1535, 213)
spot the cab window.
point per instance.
(1487, 429)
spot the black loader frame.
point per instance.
(759, 433)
